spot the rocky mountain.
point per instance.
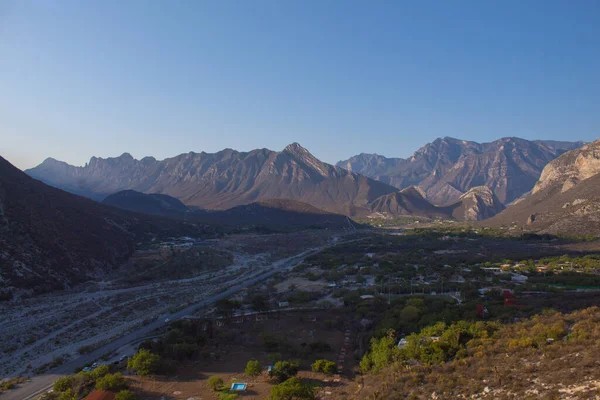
(477, 204)
(222, 180)
(280, 215)
(447, 168)
(51, 239)
(565, 200)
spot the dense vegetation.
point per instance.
(73, 387)
(548, 356)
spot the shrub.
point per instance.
(63, 384)
(292, 389)
(283, 370)
(227, 395)
(125, 395)
(215, 383)
(68, 395)
(253, 368)
(100, 371)
(325, 366)
(111, 382)
(144, 362)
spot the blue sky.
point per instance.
(85, 78)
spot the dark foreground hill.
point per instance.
(52, 239)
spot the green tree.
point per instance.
(100, 371)
(383, 353)
(283, 370)
(253, 368)
(325, 366)
(125, 395)
(68, 395)
(292, 389)
(111, 382)
(215, 383)
(63, 384)
(144, 362)
(409, 313)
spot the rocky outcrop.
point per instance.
(477, 204)
(570, 169)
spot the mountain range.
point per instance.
(229, 178)
(447, 168)
(222, 180)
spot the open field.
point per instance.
(286, 334)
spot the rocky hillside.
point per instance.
(52, 239)
(447, 168)
(550, 356)
(566, 199)
(222, 180)
(477, 204)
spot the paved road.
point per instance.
(41, 383)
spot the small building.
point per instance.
(518, 278)
(100, 395)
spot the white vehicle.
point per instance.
(94, 365)
(168, 320)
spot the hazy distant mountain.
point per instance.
(565, 200)
(222, 180)
(282, 215)
(51, 239)
(447, 168)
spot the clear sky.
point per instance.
(102, 77)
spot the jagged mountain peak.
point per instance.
(297, 150)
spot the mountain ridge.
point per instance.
(447, 167)
(222, 180)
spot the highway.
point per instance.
(41, 383)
